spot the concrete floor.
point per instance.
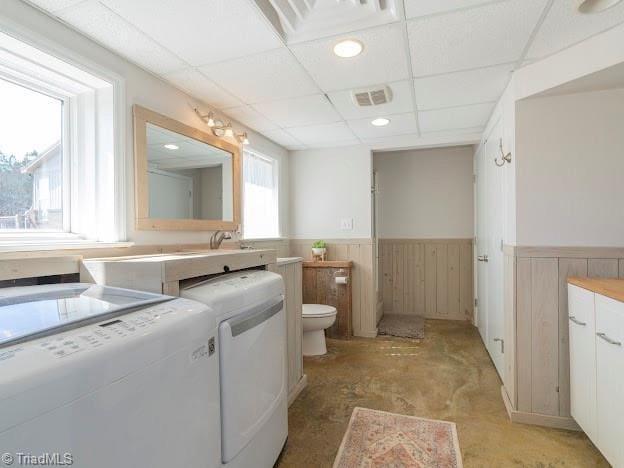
(448, 376)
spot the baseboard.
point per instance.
(297, 389)
(536, 419)
(366, 334)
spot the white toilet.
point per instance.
(316, 318)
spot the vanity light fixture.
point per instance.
(348, 48)
(380, 122)
(595, 6)
(219, 129)
(171, 146)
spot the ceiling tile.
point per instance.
(262, 77)
(250, 117)
(416, 8)
(199, 86)
(200, 31)
(318, 134)
(382, 60)
(112, 31)
(462, 88)
(455, 117)
(283, 138)
(400, 124)
(54, 5)
(492, 34)
(565, 26)
(401, 102)
(307, 110)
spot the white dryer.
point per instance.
(107, 377)
(249, 306)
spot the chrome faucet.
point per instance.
(218, 237)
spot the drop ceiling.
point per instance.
(446, 61)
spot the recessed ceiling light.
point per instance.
(596, 6)
(171, 146)
(348, 48)
(380, 122)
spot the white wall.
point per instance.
(328, 185)
(142, 88)
(425, 194)
(570, 170)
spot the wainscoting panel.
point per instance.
(428, 277)
(538, 385)
(360, 252)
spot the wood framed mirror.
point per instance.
(185, 179)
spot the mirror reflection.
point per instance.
(188, 179)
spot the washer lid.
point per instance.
(318, 310)
(34, 311)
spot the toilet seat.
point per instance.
(318, 310)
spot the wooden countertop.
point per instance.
(329, 264)
(609, 287)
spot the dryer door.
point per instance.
(253, 372)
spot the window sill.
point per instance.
(38, 245)
(264, 239)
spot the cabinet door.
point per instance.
(582, 359)
(610, 378)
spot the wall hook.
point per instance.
(505, 157)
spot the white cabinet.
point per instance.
(610, 379)
(596, 325)
(582, 358)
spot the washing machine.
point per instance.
(101, 377)
(249, 306)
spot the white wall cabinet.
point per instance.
(596, 325)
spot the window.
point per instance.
(31, 160)
(61, 147)
(260, 197)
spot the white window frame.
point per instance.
(276, 172)
(116, 234)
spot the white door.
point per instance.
(610, 378)
(482, 244)
(170, 195)
(495, 270)
(582, 359)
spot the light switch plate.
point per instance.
(346, 224)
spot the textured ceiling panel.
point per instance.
(318, 134)
(400, 124)
(488, 35)
(196, 84)
(401, 102)
(416, 8)
(199, 31)
(263, 77)
(283, 138)
(307, 110)
(382, 60)
(455, 118)
(565, 26)
(54, 5)
(250, 117)
(109, 29)
(462, 88)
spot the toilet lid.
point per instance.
(318, 310)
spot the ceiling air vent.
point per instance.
(372, 96)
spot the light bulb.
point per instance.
(210, 121)
(245, 140)
(229, 133)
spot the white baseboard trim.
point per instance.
(536, 419)
(297, 389)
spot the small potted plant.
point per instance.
(319, 249)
